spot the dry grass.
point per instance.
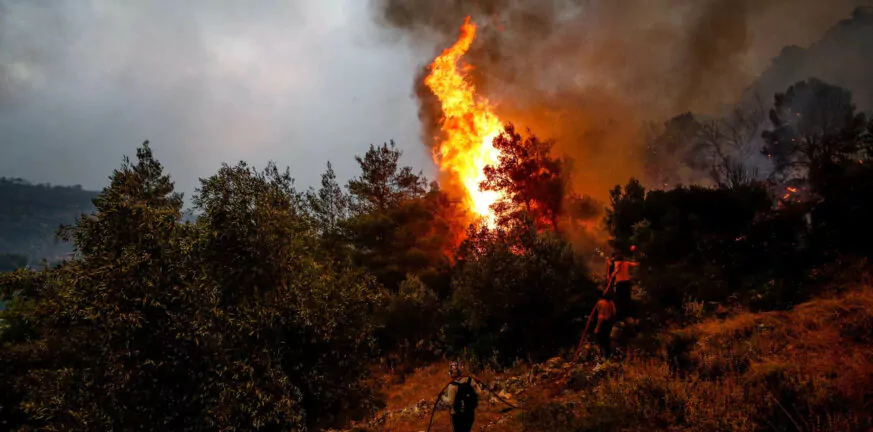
(404, 391)
(808, 369)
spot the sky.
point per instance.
(302, 82)
(298, 82)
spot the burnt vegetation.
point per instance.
(268, 310)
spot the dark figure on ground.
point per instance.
(621, 284)
(605, 310)
(462, 397)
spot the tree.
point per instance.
(299, 328)
(516, 293)
(815, 128)
(230, 322)
(867, 144)
(255, 219)
(688, 148)
(531, 181)
(726, 146)
(670, 149)
(627, 208)
(110, 318)
(412, 322)
(329, 209)
(398, 227)
(383, 183)
(709, 243)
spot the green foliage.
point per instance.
(819, 137)
(267, 310)
(626, 210)
(225, 324)
(397, 226)
(518, 292)
(312, 319)
(383, 183)
(709, 244)
(692, 241)
(411, 321)
(328, 209)
(532, 182)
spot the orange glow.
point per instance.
(468, 124)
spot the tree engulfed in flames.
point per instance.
(469, 125)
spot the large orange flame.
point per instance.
(469, 124)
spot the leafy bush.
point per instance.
(411, 320)
(224, 324)
(518, 292)
(692, 242)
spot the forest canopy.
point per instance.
(268, 310)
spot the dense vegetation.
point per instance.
(267, 310)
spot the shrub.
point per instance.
(518, 292)
(225, 324)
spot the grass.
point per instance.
(806, 369)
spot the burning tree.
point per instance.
(529, 181)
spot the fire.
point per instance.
(469, 124)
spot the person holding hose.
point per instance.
(605, 310)
(620, 283)
(462, 397)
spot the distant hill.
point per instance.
(843, 57)
(31, 213)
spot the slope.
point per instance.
(810, 368)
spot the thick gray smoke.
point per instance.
(590, 73)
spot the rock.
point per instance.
(554, 362)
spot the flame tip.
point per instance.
(468, 124)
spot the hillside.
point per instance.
(30, 214)
(810, 368)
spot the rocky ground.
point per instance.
(519, 386)
(809, 368)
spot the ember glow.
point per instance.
(469, 124)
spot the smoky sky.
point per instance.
(301, 82)
(84, 82)
(593, 74)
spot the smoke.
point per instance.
(592, 73)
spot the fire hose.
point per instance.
(579, 346)
(560, 381)
(437, 400)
